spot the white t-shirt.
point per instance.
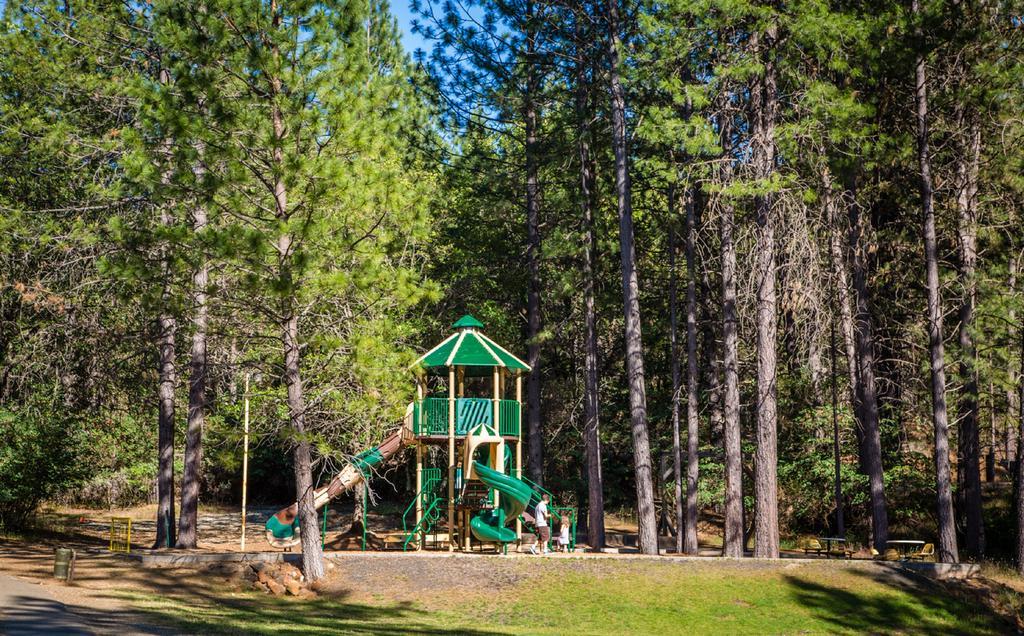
(541, 515)
(563, 536)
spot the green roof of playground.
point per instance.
(469, 348)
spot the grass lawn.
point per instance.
(596, 596)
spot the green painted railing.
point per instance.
(472, 412)
(430, 416)
(508, 418)
(430, 497)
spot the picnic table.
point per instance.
(905, 546)
(840, 543)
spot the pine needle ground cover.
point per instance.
(587, 596)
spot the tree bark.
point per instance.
(677, 467)
(647, 522)
(166, 329)
(1020, 460)
(732, 545)
(1012, 396)
(947, 549)
(591, 411)
(166, 326)
(867, 396)
(312, 553)
(692, 423)
(969, 439)
(534, 423)
(766, 521)
(192, 476)
(841, 276)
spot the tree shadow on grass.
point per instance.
(37, 616)
(253, 613)
(931, 610)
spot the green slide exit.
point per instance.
(515, 495)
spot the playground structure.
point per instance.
(481, 492)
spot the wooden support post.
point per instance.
(419, 493)
(499, 463)
(451, 459)
(519, 446)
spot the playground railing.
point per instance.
(427, 496)
(430, 416)
(508, 418)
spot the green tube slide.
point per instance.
(489, 525)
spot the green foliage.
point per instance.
(41, 455)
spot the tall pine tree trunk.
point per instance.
(534, 424)
(766, 521)
(1012, 396)
(732, 545)
(841, 277)
(591, 414)
(166, 329)
(166, 326)
(677, 462)
(970, 451)
(692, 422)
(648, 529)
(947, 550)
(312, 553)
(1020, 459)
(192, 476)
(867, 395)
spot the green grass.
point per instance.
(612, 598)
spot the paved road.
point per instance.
(29, 609)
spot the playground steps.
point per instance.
(476, 493)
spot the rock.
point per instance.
(275, 588)
(293, 587)
(263, 576)
(318, 586)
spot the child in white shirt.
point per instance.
(563, 535)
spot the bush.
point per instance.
(39, 457)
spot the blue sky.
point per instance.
(402, 12)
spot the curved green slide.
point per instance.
(515, 495)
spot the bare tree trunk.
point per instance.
(167, 326)
(1020, 460)
(732, 545)
(841, 276)
(677, 463)
(969, 439)
(312, 553)
(591, 412)
(766, 521)
(867, 396)
(647, 522)
(166, 329)
(1012, 396)
(190, 481)
(947, 550)
(534, 423)
(690, 545)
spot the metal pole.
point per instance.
(245, 457)
(840, 530)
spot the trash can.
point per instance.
(64, 564)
